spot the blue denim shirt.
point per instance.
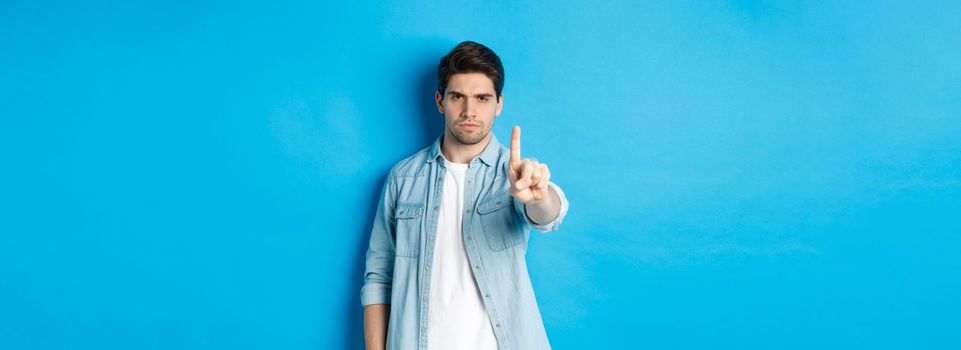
(496, 229)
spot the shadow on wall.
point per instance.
(421, 81)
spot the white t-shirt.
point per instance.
(458, 318)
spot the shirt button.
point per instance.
(468, 238)
(468, 211)
(488, 295)
(427, 268)
(436, 207)
(498, 325)
(476, 267)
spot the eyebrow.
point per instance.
(483, 94)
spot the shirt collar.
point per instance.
(488, 156)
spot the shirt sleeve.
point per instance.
(380, 252)
(553, 225)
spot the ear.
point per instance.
(438, 98)
(500, 104)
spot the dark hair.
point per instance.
(470, 57)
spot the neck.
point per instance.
(457, 152)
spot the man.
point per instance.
(445, 264)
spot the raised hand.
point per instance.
(528, 178)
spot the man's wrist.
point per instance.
(544, 202)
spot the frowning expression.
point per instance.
(469, 105)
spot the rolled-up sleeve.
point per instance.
(553, 225)
(380, 252)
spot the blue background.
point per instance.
(742, 174)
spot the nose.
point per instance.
(468, 111)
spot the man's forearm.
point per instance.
(545, 210)
(375, 326)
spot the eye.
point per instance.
(484, 98)
(455, 97)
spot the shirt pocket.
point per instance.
(499, 221)
(409, 221)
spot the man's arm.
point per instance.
(376, 291)
(543, 203)
(546, 209)
(375, 326)
(543, 217)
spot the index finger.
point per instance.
(515, 145)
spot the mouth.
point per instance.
(469, 126)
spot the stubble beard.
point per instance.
(469, 138)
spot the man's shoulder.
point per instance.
(413, 165)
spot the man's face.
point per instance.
(469, 107)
